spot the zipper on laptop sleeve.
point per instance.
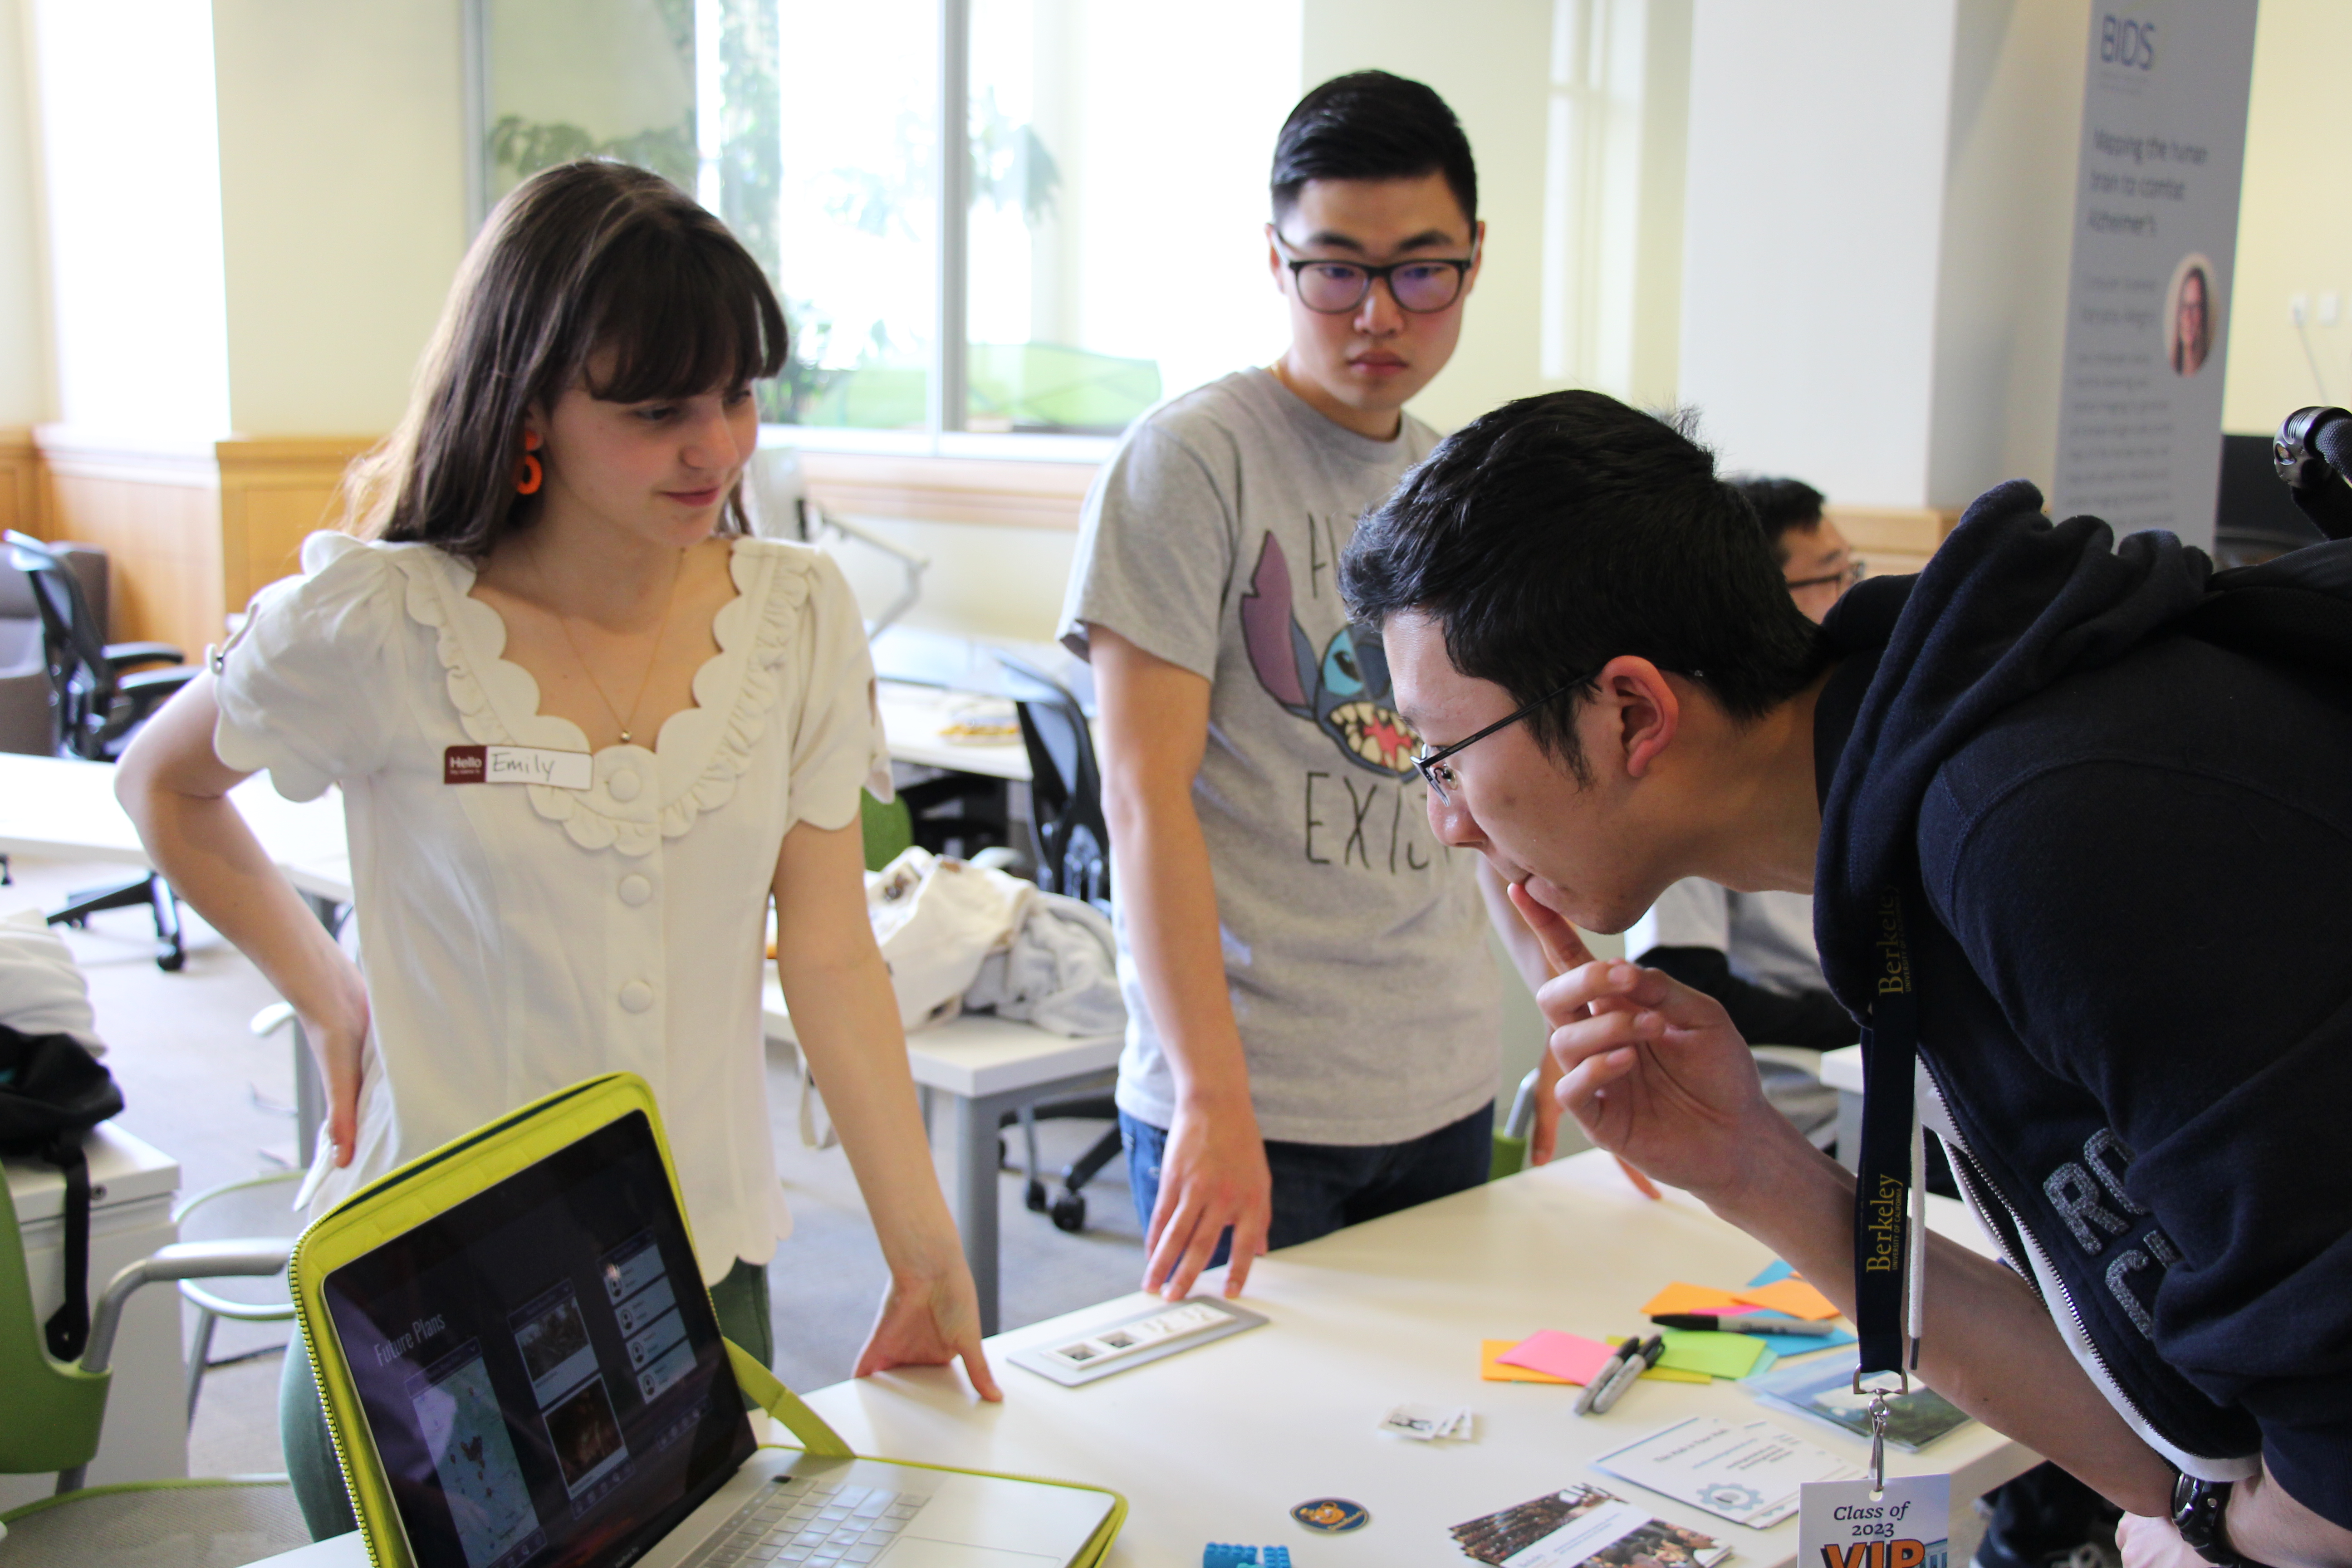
(334, 1436)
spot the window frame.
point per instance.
(948, 395)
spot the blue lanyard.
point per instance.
(1881, 1199)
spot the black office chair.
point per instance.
(99, 693)
(1073, 844)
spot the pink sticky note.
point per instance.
(1571, 1356)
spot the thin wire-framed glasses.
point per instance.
(1856, 570)
(1432, 763)
(1423, 285)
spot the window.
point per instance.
(1090, 242)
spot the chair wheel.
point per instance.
(1069, 1213)
(169, 957)
(1035, 1197)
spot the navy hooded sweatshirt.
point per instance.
(2122, 810)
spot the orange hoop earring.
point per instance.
(529, 475)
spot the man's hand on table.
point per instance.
(1213, 1174)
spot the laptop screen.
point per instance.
(540, 1365)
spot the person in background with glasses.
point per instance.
(1754, 952)
(1313, 1015)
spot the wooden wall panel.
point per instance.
(274, 494)
(1893, 541)
(163, 542)
(1006, 492)
(20, 483)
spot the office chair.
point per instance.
(1074, 860)
(56, 1410)
(98, 694)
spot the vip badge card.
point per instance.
(1843, 1525)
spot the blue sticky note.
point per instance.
(1805, 1344)
(1774, 1272)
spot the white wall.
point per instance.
(1490, 61)
(342, 205)
(130, 159)
(2009, 209)
(1811, 234)
(24, 328)
(2294, 227)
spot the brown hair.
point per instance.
(586, 259)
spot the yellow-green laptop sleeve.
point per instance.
(435, 1182)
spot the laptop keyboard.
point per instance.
(806, 1525)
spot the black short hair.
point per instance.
(1370, 125)
(1560, 531)
(1781, 505)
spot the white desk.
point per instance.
(985, 1065)
(52, 807)
(913, 718)
(1218, 1443)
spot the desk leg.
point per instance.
(970, 1160)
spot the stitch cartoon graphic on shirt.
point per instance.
(1346, 692)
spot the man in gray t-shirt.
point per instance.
(1313, 1014)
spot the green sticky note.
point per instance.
(1716, 1354)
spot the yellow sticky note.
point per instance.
(1681, 1298)
(1793, 1297)
(1714, 1354)
(1663, 1374)
(1494, 1371)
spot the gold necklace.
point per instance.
(678, 570)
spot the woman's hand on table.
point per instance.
(1652, 1069)
(930, 1322)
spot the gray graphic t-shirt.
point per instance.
(1353, 945)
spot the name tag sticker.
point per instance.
(517, 765)
(1843, 1526)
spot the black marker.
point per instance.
(1587, 1401)
(1642, 1361)
(1740, 1323)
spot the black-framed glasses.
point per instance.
(1332, 288)
(1432, 763)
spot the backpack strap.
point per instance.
(769, 1391)
(67, 1330)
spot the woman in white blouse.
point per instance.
(555, 577)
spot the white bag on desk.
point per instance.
(960, 936)
(1060, 973)
(936, 922)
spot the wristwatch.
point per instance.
(2199, 1508)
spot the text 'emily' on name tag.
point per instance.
(517, 765)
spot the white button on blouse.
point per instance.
(493, 945)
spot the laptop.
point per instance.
(533, 1375)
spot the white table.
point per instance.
(1842, 1071)
(984, 1065)
(1218, 1443)
(913, 718)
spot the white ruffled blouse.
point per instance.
(518, 938)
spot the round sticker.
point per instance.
(1332, 1515)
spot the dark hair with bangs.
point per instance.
(586, 261)
(1371, 125)
(1558, 532)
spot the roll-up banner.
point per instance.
(2156, 233)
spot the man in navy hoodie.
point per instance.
(2115, 793)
